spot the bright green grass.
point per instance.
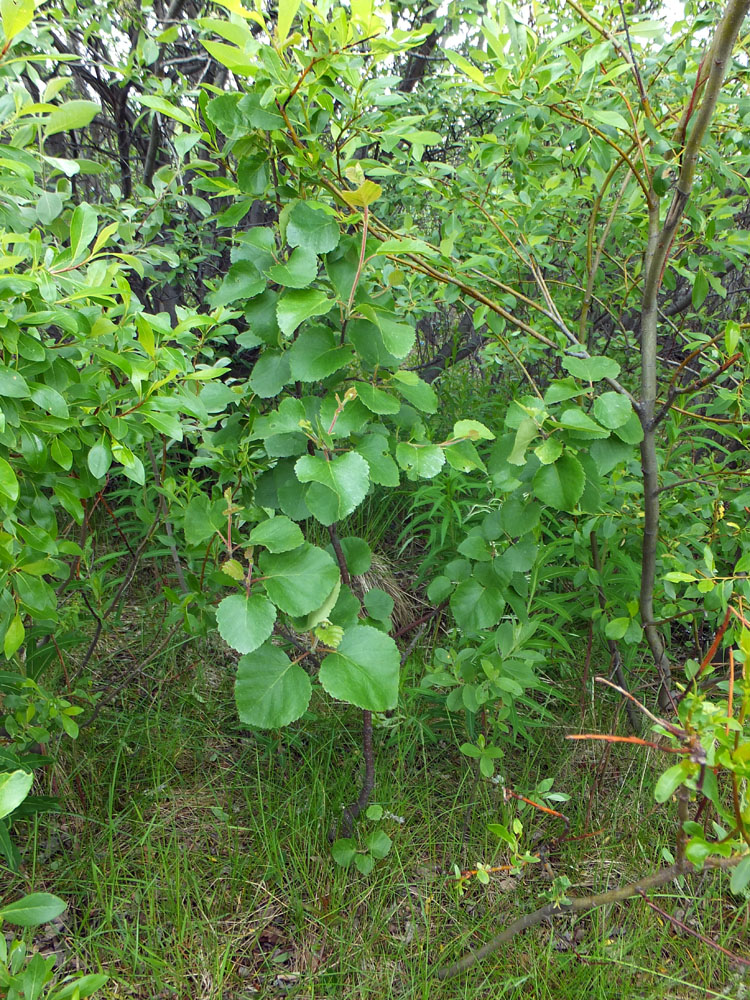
(195, 860)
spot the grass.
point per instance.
(195, 860)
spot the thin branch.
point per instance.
(581, 905)
(167, 524)
(689, 930)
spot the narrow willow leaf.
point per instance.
(34, 909)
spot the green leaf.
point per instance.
(322, 613)
(608, 454)
(338, 485)
(364, 669)
(14, 787)
(16, 15)
(14, 636)
(256, 115)
(235, 59)
(581, 425)
(364, 863)
(48, 399)
(224, 112)
(631, 431)
(278, 534)
(416, 391)
(164, 107)
(420, 460)
(99, 460)
(473, 430)
(83, 226)
(315, 355)
(312, 228)
(36, 975)
(234, 569)
(478, 603)
(378, 844)
(344, 851)
(741, 876)
(357, 553)
(287, 12)
(464, 457)
(612, 409)
(48, 207)
(616, 628)
(202, 519)
(270, 690)
(732, 334)
(379, 604)
(605, 117)
(34, 909)
(591, 369)
(375, 399)
(549, 451)
(13, 385)
(243, 280)
(697, 850)
(82, 987)
(383, 470)
(669, 782)
(245, 622)
(527, 431)
(270, 374)
(8, 482)
(296, 580)
(367, 193)
(700, 289)
(70, 115)
(298, 272)
(398, 338)
(33, 592)
(560, 485)
(296, 306)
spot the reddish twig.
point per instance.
(689, 930)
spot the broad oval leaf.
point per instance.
(420, 460)
(560, 485)
(70, 115)
(245, 622)
(312, 228)
(14, 787)
(297, 305)
(612, 409)
(337, 486)
(270, 690)
(669, 782)
(315, 355)
(364, 669)
(99, 460)
(277, 534)
(296, 580)
(591, 369)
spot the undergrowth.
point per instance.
(195, 857)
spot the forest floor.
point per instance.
(195, 860)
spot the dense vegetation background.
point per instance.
(374, 555)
